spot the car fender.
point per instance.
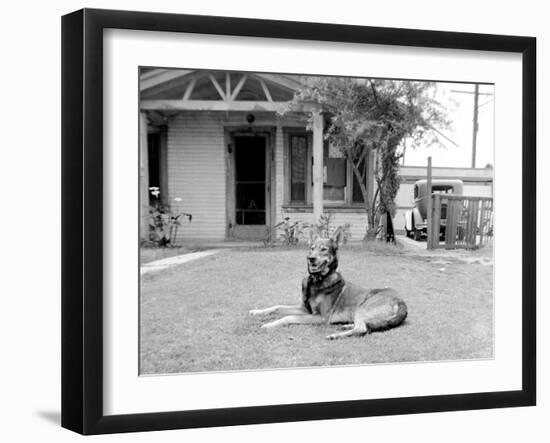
(416, 217)
(408, 220)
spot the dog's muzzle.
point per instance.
(314, 265)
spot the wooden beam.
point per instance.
(436, 215)
(239, 86)
(148, 81)
(266, 90)
(217, 86)
(189, 89)
(228, 84)
(267, 119)
(317, 170)
(429, 224)
(216, 105)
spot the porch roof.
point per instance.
(203, 90)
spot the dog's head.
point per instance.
(323, 253)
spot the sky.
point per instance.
(458, 99)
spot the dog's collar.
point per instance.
(316, 277)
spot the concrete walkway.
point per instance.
(483, 256)
(165, 263)
(411, 244)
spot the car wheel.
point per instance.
(417, 235)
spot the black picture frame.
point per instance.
(82, 221)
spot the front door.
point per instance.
(251, 187)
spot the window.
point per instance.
(335, 175)
(340, 186)
(442, 189)
(298, 168)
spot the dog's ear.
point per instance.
(313, 234)
(338, 237)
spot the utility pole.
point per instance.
(475, 118)
(475, 125)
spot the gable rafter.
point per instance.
(228, 84)
(189, 89)
(266, 90)
(239, 86)
(159, 76)
(218, 87)
(227, 87)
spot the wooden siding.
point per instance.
(196, 173)
(356, 218)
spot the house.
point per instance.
(225, 147)
(218, 142)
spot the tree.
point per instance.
(373, 115)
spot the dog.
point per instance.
(328, 299)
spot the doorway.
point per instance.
(251, 165)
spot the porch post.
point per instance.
(317, 171)
(143, 176)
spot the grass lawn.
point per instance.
(194, 317)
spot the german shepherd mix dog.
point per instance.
(328, 298)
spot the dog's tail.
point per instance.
(390, 313)
(400, 313)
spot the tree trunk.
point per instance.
(371, 230)
(390, 234)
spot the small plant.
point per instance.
(164, 221)
(324, 227)
(286, 232)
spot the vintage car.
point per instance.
(416, 220)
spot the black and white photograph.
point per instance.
(299, 221)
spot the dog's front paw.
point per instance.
(255, 312)
(346, 327)
(270, 325)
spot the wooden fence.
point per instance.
(457, 221)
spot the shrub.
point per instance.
(164, 221)
(290, 233)
(286, 232)
(324, 227)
